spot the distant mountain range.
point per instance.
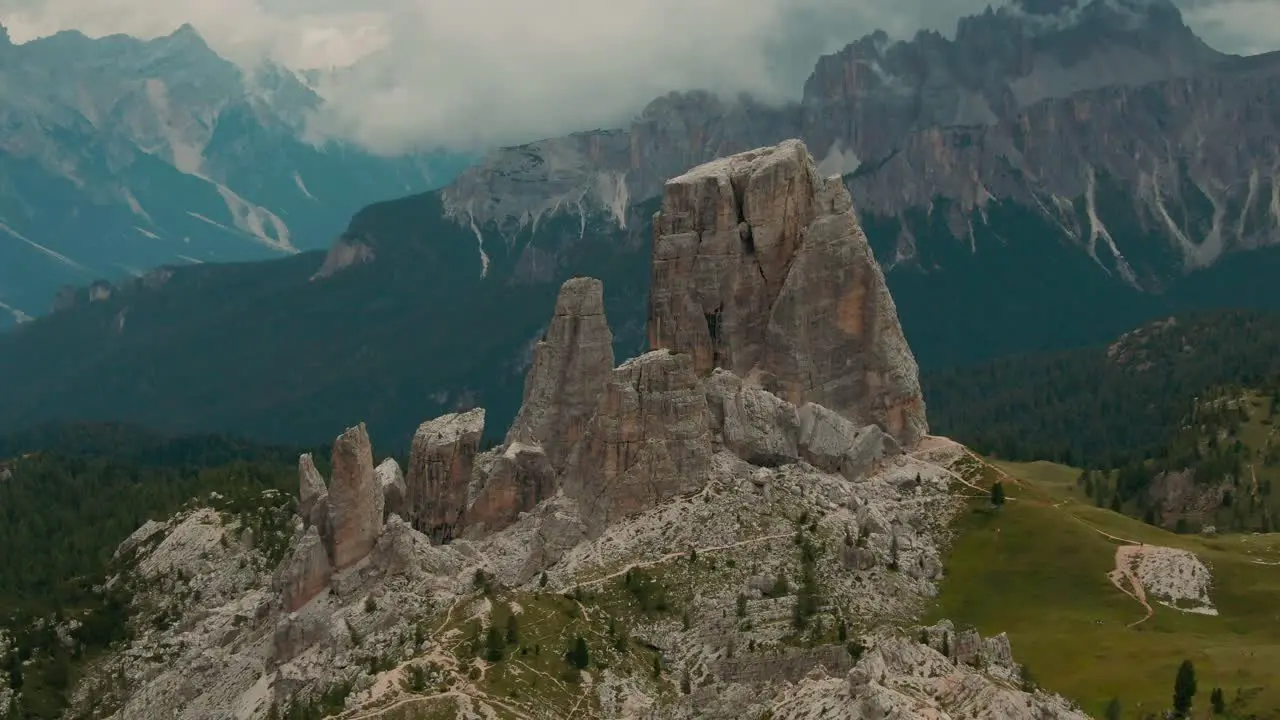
(1054, 175)
(119, 155)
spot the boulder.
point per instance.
(440, 468)
(649, 440)
(306, 573)
(834, 444)
(754, 424)
(571, 365)
(355, 499)
(760, 268)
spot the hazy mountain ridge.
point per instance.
(1040, 106)
(997, 238)
(120, 155)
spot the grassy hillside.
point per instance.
(1037, 569)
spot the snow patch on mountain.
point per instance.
(18, 315)
(297, 179)
(51, 253)
(257, 220)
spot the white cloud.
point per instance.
(478, 72)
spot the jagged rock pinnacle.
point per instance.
(355, 499)
(571, 365)
(760, 268)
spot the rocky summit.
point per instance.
(667, 538)
(761, 268)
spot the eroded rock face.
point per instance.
(754, 424)
(307, 572)
(313, 496)
(833, 443)
(507, 482)
(440, 469)
(355, 499)
(571, 365)
(760, 268)
(391, 480)
(650, 439)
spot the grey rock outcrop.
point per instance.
(755, 425)
(355, 499)
(313, 496)
(649, 440)
(391, 480)
(833, 443)
(571, 365)
(307, 572)
(760, 268)
(440, 470)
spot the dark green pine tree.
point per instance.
(578, 656)
(1218, 702)
(997, 495)
(1113, 709)
(1184, 689)
(494, 644)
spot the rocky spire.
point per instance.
(313, 496)
(306, 573)
(355, 499)
(760, 268)
(571, 365)
(440, 465)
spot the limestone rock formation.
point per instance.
(313, 496)
(571, 365)
(833, 443)
(391, 481)
(355, 499)
(760, 268)
(506, 482)
(306, 573)
(650, 439)
(754, 424)
(440, 469)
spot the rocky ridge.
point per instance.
(1054, 108)
(703, 532)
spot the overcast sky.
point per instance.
(463, 72)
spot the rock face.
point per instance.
(650, 439)
(760, 268)
(355, 499)
(307, 572)
(506, 482)
(835, 444)
(391, 481)
(440, 469)
(313, 496)
(571, 365)
(755, 425)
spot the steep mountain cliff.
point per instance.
(1054, 175)
(120, 155)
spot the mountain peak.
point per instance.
(186, 39)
